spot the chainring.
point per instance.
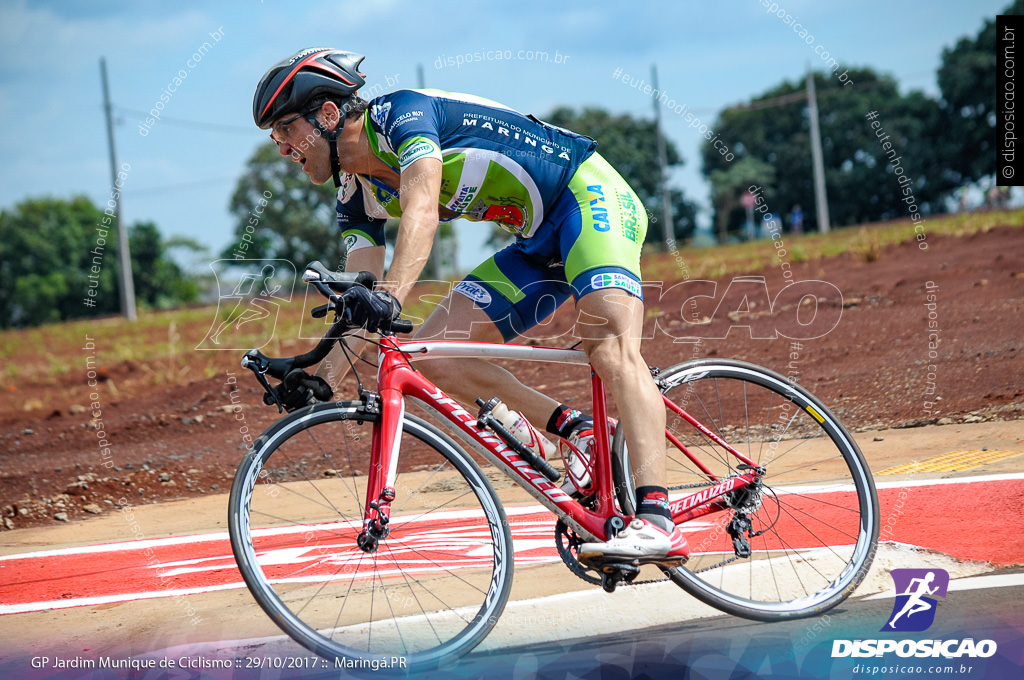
(568, 545)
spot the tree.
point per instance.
(159, 280)
(729, 185)
(54, 253)
(775, 129)
(630, 145)
(967, 81)
(44, 267)
(282, 215)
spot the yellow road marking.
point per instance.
(954, 461)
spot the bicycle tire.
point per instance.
(817, 519)
(434, 587)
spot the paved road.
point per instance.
(727, 647)
(955, 523)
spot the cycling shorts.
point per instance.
(590, 240)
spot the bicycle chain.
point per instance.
(587, 575)
(677, 487)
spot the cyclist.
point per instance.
(426, 156)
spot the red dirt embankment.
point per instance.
(881, 365)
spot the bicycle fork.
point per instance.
(377, 526)
(380, 487)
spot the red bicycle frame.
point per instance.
(398, 379)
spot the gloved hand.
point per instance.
(372, 310)
(300, 389)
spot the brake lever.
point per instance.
(323, 310)
(259, 369)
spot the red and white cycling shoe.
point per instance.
(641, 541)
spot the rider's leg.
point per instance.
(459, 318)
(609, 324)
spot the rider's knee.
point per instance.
(612, 354)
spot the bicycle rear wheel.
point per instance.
(814, 519)
(433, 588)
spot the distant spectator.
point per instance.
(797, 219)
(963, 198)
(997, 198)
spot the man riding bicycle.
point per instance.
(428, 156)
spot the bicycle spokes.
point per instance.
(782, 542)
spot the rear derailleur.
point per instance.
(744, 502)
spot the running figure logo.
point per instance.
(247, 315)
(914, 610)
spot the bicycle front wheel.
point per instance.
(431, 590)
(813, 519)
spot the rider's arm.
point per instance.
(335, 367)
(365, 237)
(419, 190)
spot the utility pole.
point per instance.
(436, 254)
(668, 233)
(820, 197)
(127, 286)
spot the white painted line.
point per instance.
(110, 599)
(509, 511)
(951, 480)
(120, 547)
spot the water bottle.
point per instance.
(517, 424)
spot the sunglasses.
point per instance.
(279, 131)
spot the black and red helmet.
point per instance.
(289, 84)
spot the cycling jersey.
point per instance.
(498, 165)
(579, 226)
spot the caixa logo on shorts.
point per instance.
(913, 611)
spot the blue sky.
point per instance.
(183, 171)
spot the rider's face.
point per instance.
(296, 137)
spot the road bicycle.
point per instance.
(369, 533)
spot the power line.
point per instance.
(801, 96)
(195, 124)
(187, 185)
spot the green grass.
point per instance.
(865, 241)
(56, 353)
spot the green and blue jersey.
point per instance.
(498, 165)
(579, 226)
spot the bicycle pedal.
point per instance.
(608, 564)
(623, 568)
(614, 573)
(669, 562)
